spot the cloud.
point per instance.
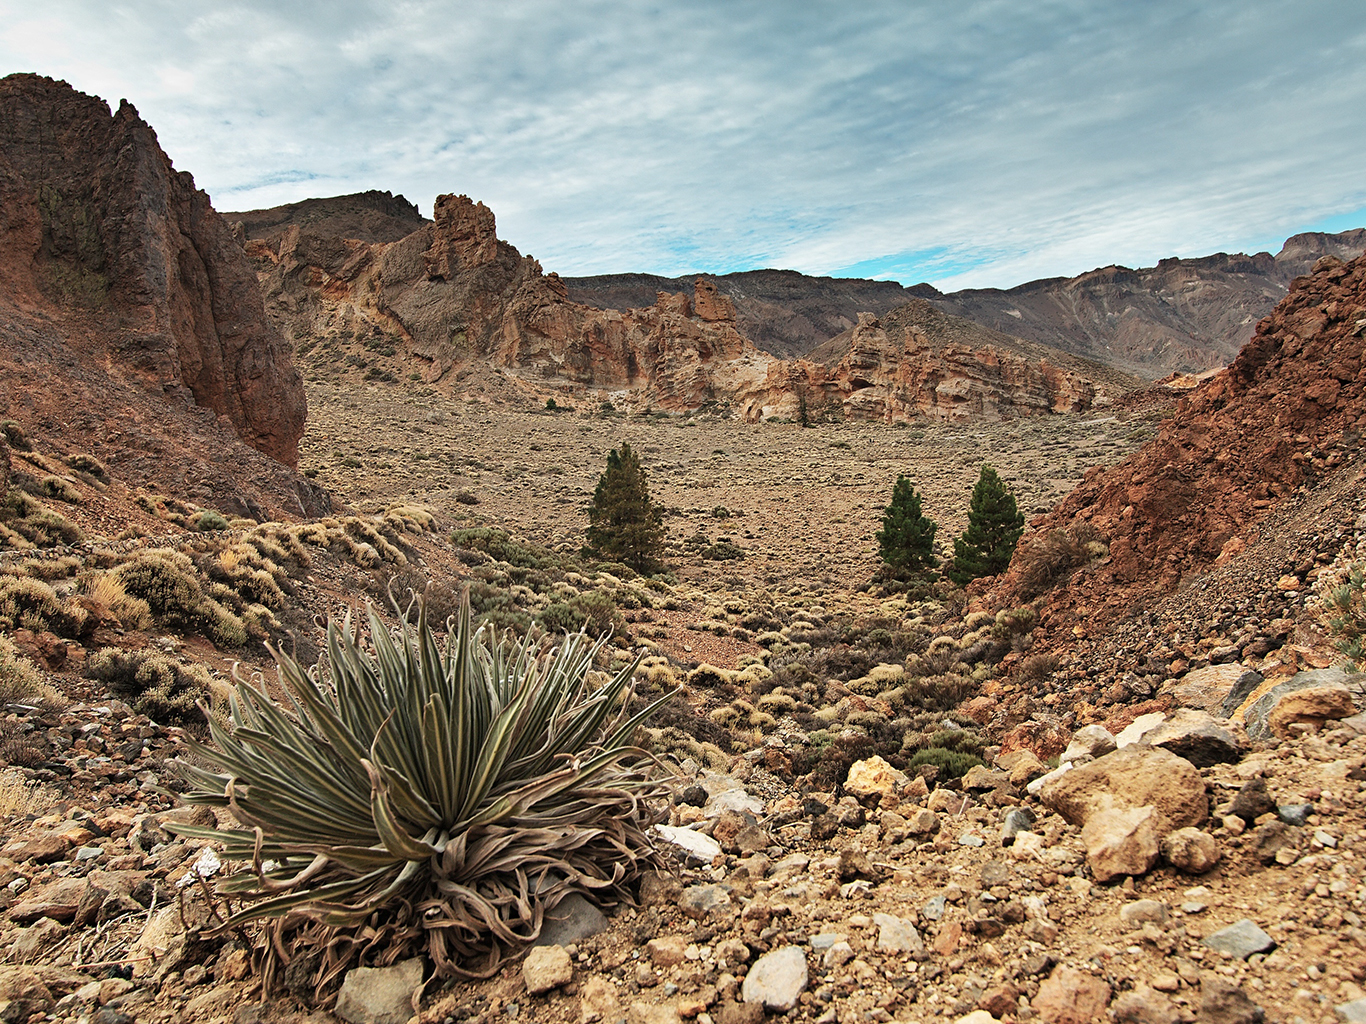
(983, 144)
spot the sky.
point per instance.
(968, 144)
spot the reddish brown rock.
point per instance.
(103, 232)
(1069, 996)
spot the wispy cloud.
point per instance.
(983, 144)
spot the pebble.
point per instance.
(1241, 940)
(777, 979)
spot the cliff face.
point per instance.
(372, 216)
(1287, 413)
(783, 312)
(99, 231)
(452, 295)
(1179, 316)
(917, 362)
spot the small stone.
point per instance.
(666, 951)
(1325, 838)
(923, 822)
(1088, 742)
(1017, 820)
(572, 920)
(1122, 842)
(1295, 814)
(777, 979)
(971, 839)
(1070, 996)
(1138, 728)
(837, 955)
(1252, 801)
(544, 968)
(896, 935)
(1191, 850)
(1144, 1004)
(1353, 1012)
(934, 908)
(379, 995)
(696, 844)
(1223, 1002)
(1240, 940)
(1143, 911)
(698, 901)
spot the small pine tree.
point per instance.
(624, 525)
(906, 540)
(994, 527)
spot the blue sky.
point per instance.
(968, 144)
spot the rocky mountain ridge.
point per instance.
(453, 299)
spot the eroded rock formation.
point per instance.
(917, 362)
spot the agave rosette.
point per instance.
(427, 795)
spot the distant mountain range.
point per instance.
(1182, 316)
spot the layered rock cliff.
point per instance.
(918, 362)
(113, 261)
(452, 296)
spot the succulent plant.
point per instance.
(426, 796)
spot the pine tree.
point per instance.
(994, 527)
(624, 525)
(906, 540)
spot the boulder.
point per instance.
(1199, 738)
(1330, 697)
(1134, 777)
(1208, 689)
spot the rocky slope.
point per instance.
(916, 362)
(1180, 316)
(1281, 423)
(112, 258)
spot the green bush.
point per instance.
(953, 764)
(906, 540)
(209, 520)
(1344, 607)
(594, 612)
(426, 798)
(28, 519)
(498, 544)
(624, 525)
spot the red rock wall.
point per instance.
(99, 227)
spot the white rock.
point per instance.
(1044, 780)
(1135, 730)
(777, 979)
(697, 844)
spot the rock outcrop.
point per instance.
(113, 261)
(918, 362)
(451, 295)
(372, 216)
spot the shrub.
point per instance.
(59, 489)
(1344, 607)
(906, 540)
(154, 685)
(498, 544)
(15, 436)
(1047, 561)
(594, 612)
(426, 798)
(209, 520)
(624, 525)
(953, 764)
(88, 465)
(35, 523)
(994, 528)
(20, 680)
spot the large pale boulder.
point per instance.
(1137, 776)
(1122, 842)
(873, 779)
(1313, 697)
(1199, 737)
